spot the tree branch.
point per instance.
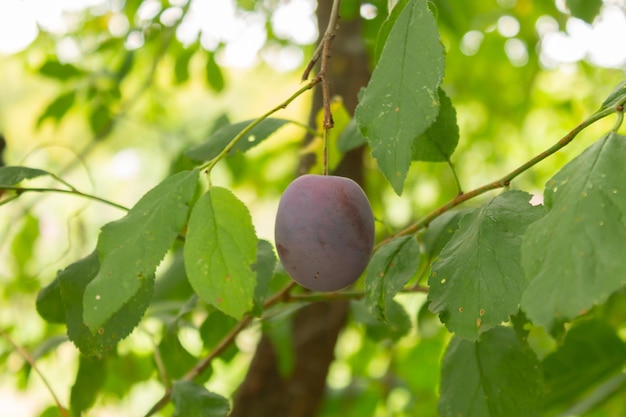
(73, 191)
(221, 346)
(505, 181)
(28, 358)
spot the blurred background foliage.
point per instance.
(108, 94)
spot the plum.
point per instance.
(324, 231)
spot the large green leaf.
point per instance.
(222, 137)
(73, 281)
(193, 400)
(477, 281)
(131, 248)
(574, 256)
(496, 377)
(389, 270)
(220, 251)
(13, 175)
(441, 230)
(591, 354)
(439, 141)
(401, 99)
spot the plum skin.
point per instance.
(324, 231)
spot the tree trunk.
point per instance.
(315, 328)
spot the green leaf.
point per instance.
(350, 137)
(193, 400)
(57, 107)
(12, 175)
(220, 250)
(125, 66)
(586, 10)
(181, 67)
(591, 353)
(214, 75)
(100, 119)
(52, 411)
(59, 71)
(176, 359)
(396, 326)
(73, 280)
(395, 7)
(50, 303)
(279, 331)
(389, 270)
(215, 327)
(441, 230)
(89, 380)
(574, 255)
(425, 377)
(264, 268)
(126, 370)
(477, 281)
(401, 99)
(439, 141)
(496, 377)
(222, 137)
(22, 247)
(131, 248)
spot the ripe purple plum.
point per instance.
(324, 231)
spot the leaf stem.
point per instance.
(28, 358)
(74, 191)
(505, 181)
(456, 176)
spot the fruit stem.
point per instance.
(325, 152)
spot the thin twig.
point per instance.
(226, 341)
(329, 33)
(74, 191)
(210, 164)
(505, 181)
(328, 116)
(28, 358)
(323, 51)
(342, 295)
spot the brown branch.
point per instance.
(342, 295)
(323, 51)
(505, 181)
(226, 341)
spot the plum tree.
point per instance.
(324, 231)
